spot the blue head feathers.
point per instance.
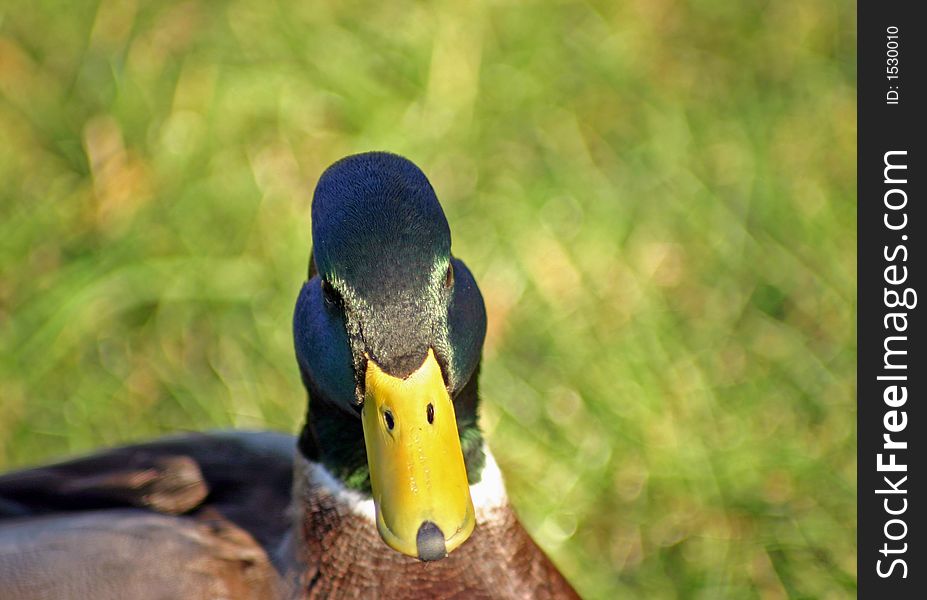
(376, 217)
(385, 285)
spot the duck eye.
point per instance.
(430, 413)
(329, 292)
(449, 277)
(388, 417)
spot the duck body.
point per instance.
(388, 491)
(237, 515)
(194, 516)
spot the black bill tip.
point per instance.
(430, 542)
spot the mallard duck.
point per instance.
(388, 491)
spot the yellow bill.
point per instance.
(417, 470)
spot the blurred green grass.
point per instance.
(657, 198)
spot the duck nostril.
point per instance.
(430, 542)
(388, 417)
(430, 413)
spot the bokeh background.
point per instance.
(657, 198)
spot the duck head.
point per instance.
(388, 332)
